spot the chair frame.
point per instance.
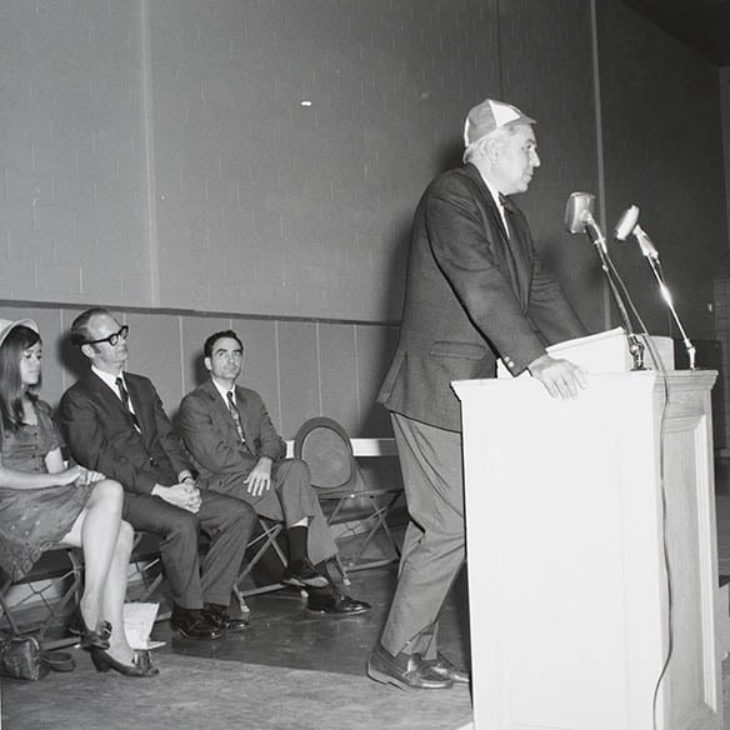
(344, 491)
(47, 577)
(266, 539)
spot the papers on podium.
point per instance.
(605, 352)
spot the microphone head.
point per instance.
(579, 211)
(627, 223)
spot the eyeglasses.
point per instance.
(112, 339)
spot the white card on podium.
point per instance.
(606, 352)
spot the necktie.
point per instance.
(233, 408)
(506, 205)
(125, 401)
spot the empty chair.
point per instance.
(344, 493)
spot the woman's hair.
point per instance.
(19, 339)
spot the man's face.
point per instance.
(515, 160)
(225, 360)
(106, 357)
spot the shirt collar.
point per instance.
(109, 379)
(224, 391)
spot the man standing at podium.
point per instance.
(475, 291)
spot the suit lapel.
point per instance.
(221, 411)
(246, 424)
(111, 399)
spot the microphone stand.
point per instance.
(636, 346)
(653, 258)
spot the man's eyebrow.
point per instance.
(218, 350)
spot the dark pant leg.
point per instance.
(291, 481)
(434, 550)
(229, 522)
(179, 530)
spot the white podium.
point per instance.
(591, 547)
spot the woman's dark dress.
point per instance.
(33, 520)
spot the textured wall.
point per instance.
(663, 152)
(72, 205)
(268, 206)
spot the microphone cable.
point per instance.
(660, 367)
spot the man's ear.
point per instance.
(87, 350)
(491, 148)
(208, 366)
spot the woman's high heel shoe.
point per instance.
(96, 639)
(140, 667)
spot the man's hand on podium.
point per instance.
(561, 378)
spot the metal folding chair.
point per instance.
(265, 538)
(344, 493)
(58, 567)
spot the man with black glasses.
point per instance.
(114, 423)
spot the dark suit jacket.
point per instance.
(210, 434)
(471, 294)
(100, 433)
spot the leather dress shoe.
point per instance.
(218, 615)
(190, 624)
(333, 602)
(407, 671)
(446, 668)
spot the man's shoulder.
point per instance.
(459, 182)
(139, 380)
(248, 393)
(201, 393)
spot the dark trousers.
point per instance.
(434, 544)
(227, 521)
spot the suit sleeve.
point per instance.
(82, 425)
(168, 439)
(550, 310)
(205, 441)
(464, 251)
(269, 442)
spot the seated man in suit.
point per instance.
(114, 423)
(238, 452)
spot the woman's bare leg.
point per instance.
(115, 591)
(96, 531)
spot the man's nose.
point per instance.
(535, 159)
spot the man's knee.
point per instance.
(293, 473)
(236, 513)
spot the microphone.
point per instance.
(579, 217)
(627, 223)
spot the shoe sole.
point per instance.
(337, 614)
(183, 635)
(301, 584)
(384, 678)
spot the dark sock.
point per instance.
(297, 537)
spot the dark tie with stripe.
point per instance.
(125, 401)
(233, 408)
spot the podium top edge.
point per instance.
(698, 377)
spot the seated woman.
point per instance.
(43, 504)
